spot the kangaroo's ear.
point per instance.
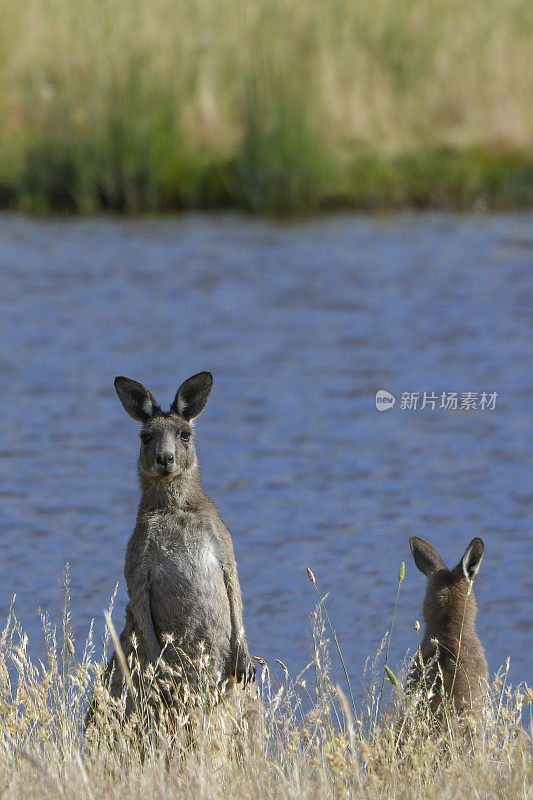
(471, 561)
(426, 557)
(136, 399)
(192, 396)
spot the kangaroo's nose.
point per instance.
(164, 459)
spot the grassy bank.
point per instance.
(272, 105)
(311, 743)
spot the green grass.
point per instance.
(271, 106)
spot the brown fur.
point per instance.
(450, 616)
(180, 566)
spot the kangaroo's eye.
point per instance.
(146, 438)
(185, 436)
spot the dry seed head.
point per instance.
(283, 667)
(528, 695)
(401, 573)
(310, 575)
(417, 625)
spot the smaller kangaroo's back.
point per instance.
(451, 651)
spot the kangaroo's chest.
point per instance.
(188, 595)
(177, 561)
(181, 549)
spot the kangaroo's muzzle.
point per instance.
(165, 464)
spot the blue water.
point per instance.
(301, 324)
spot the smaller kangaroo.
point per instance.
(450, 616)
(180, 566)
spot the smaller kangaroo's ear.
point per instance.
(136, 399)
(427, 557)
(471, 561)
(192, 396)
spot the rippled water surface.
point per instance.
(301, 324)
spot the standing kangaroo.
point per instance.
(450, 636)
(180, 566)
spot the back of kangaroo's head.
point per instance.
(447, 590)
(167, 438)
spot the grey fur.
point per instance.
(447, 601)
(180, 566)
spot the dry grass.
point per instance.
(313, 742)
(154, 103)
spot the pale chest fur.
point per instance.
(180, 546)
(188, 594)
(179, 540)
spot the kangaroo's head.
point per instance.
(447, 590)
(167, 439)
